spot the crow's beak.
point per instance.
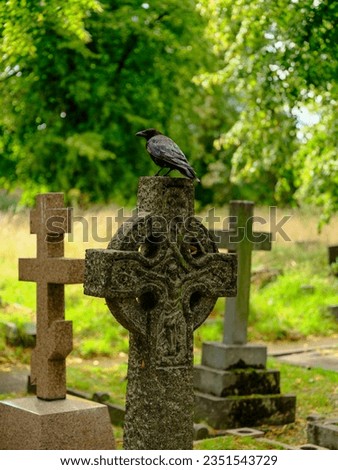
(140, 134)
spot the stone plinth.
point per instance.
(241, 382)
(323, 433)
(235, 411)
(31, 423)
(233, 388)
(232, 356)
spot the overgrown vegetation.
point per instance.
(248, 88)
(316, 392)
(281, 309)
(289, 306)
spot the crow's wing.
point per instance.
(166, 150)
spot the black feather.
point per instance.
(166, 153)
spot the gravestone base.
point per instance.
(323, 433)
(224, 383)
(72, 423)
(233, 388)
(233, 356)
(238, 411)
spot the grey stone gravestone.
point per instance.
(51, 420)
(233, 373)
(161, 276)
(323, 432)
(333, 257)
(333, 253)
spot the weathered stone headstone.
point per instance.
(239, 239)
(333, 254)
(233, 373)
(161, 276)
(333, 257)
(323, 431)
(242, 240)
(51, 271)
(50, 420)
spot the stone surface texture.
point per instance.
(252, 410)
(31, 423)
(229, 356)
(161, 276)
(323, 433)
(51, 271)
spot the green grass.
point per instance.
(100, 376)
(96, 332)
(316, 391)
(231, 443)
(279, 310)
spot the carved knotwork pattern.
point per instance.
(164, 282)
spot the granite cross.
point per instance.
(51, 271)
(240, 239)
(161, 276)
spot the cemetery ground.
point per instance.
(291, 289)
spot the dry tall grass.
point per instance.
(94, 228)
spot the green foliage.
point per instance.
(248, 88)
(86, 80)
(279, 61)
(232, 443)
(300, 312)
(282, 309)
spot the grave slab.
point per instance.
(223, 383)
(324, 358)
(231, 356)
(310, 447)
(14, 380)
(275, 444)
(233, 412)
(31, 423)
(323, 433)
(245, 432)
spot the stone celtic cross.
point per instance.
(50, 270)
(161, 276)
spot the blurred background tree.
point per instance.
(280, 61)
(248, 88)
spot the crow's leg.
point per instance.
(159, 171)
(168, 172)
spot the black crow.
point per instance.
(166, 153)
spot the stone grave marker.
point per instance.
(161, 276)
(233, 371)
(333, 256)
(323, 431)
(333, 253)
(51, 420)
